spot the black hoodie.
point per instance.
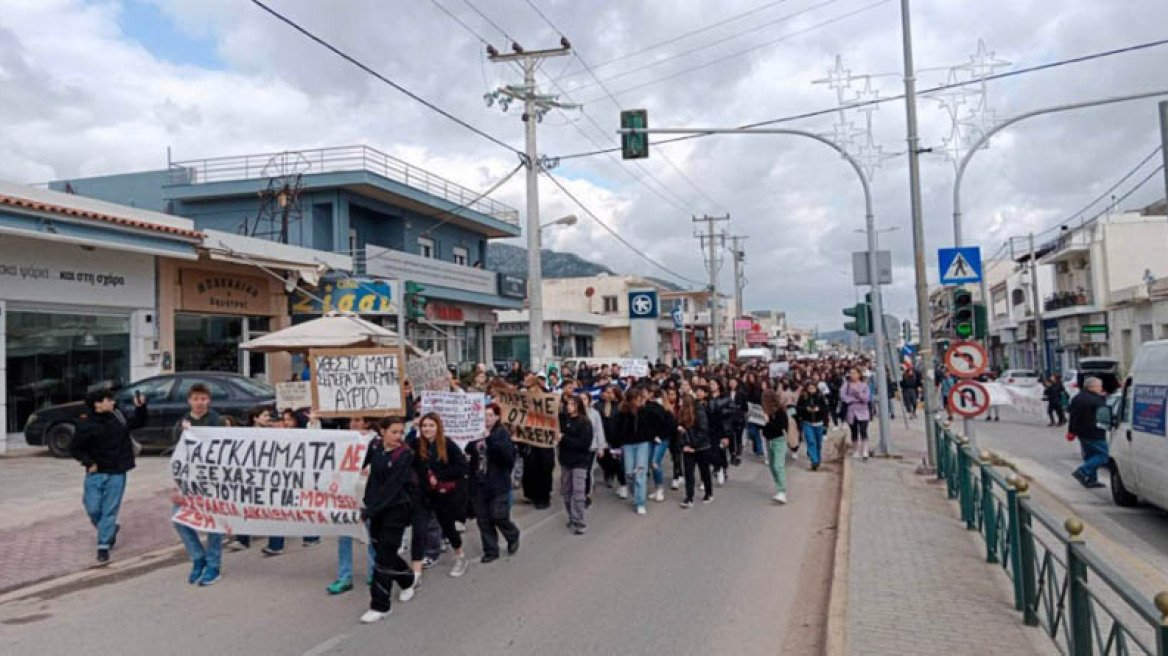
(103, 439)
(392, 489)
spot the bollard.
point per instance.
(1027, 556)
(1078, 599)
(1015, 554)
(988, 515)
(1161, 601)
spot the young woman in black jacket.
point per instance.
(441, 470)
(720, 420)
(695, 444)
(491, 462)
(575, 451)
(391, 495)
(737, 401)
(814, 412)
(610, 460)
(636, 446)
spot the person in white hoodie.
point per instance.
(599, 443)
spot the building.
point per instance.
(397, 221)
(569, 334)
(693, 341)
(608, 296)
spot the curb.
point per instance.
(837, 607)
(115, 571)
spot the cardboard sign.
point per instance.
(295, 395)
(356, 382)
(428, 373)
(637, 367)
(464, 416)
(531, 416)
(778, 369)
(755, 415)
(269, 481)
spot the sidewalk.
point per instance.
(44, 532)
(918, 582)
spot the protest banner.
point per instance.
(464, 415)
(638, 367)
(531, 417)
(755, 414)
(295, 395)
(428, 373)
(269, 481)
(778, 369)
(1027, 400)
(356, 382)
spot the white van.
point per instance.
(753, 354)
(1139, 444)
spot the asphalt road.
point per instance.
(1136, 539)
(741, 575)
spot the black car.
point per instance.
(231, 395)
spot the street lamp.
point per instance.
(569, 220)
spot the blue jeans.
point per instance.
(755, 438)
(345, 558)
(636, 460)
(1095, 455)
(659, 451)
(813, 436)
(211, 555)
(102, 500)
(277, 542)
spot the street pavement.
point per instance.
(741, 575)
(1135, 540)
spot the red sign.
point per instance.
(969, 398)
(757, 338)
(966, 359)
(438, 312)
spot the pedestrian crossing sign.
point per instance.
(959, 265)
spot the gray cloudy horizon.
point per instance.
(85, 96)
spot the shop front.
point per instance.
(461, 331)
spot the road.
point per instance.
(1136, 539)
(741, 575)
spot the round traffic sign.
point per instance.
(966, 359)
(969, 398)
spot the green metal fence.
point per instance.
(1060, 584)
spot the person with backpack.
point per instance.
(391, 497)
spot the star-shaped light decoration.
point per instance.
(839, 79)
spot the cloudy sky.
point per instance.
(92, 88)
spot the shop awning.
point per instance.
(308, 264)
(333, 330)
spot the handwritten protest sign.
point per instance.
(756, 416)
(428, 373)
(295, 395)
(531, 417)
(464, 416)
(778, 369)
(356, 382)
(269, 481)
(638, 367)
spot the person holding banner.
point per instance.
(390, 500)
(206, 561)
(441, 469)
(575, 457)
(367, 427)
(491, 461)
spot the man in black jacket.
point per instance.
(1084, 425)
(103, 446)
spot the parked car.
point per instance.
(166, 397)
(1019, 377)
(1105, 369)
(1139, 450)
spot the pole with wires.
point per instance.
(710, 242)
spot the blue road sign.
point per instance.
(959, 265)
(643, 305)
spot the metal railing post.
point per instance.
(988, 515)
(940, 439)
(1028, 555)
(1015, 554)
(1161, 601)
(1078, 599)
(952, 448)
(968, 513)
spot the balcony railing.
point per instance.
(335, 160)
(1063, 300)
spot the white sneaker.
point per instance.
(794, 456)
(372, 616)
(460, 527)
(659, 495)
(408, 593)
(676, 484)
(460, 565)
(641, 510)
(721, 478)
(623, 492)
(865, 455)
(781, 498)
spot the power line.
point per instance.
(878, 101)
(354, 61)
(458, 20)
(489, 21)
(640, 252)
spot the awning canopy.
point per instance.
(333, 330)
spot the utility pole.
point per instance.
(535, 106)
(918, 228)
(711, 244)
(1039, 330)
(739, 281)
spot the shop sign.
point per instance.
(512, 286)
(44, 272)
(1094, 333)
(757, 338)
(511, 329)
(360, 294)
(388, 263)
(444, 313)
(224, 293)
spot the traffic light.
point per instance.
(862, 315)
(964, 314)
(981, 322)
(634, 145)
(415, 303)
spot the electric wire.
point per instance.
(490, 22)
(458, 20)
(364, 67)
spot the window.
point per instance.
(1018, 296)
(1145, 333)
(254, 387)
(610, 305)
(460, 256)
(156, 390)
(219, 391)
(426, 247)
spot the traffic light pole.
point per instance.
(870, 228)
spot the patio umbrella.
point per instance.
(333, 330)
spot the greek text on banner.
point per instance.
(356, 382)
(531, 417)
(463, 414)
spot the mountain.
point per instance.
(505, 258)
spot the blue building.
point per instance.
(397, 221)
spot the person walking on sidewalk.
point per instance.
(1092, 437)
(910, 386)
(391, 496)
(103, 446)
(491, 461)
(206, 561)
(856, 397)
(774, 431)
(814, 411)
(1054, 393)
(575, 456)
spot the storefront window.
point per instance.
(58, 358)
(461, 344)
(207, 343)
